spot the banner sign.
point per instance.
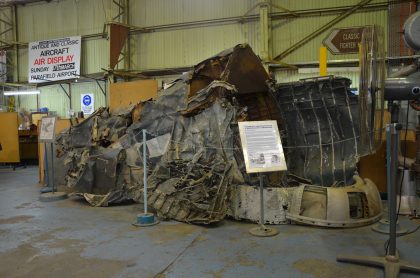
(87, 103)
(3, 68)
(53, 60)
(261, 145)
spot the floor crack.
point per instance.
(160, 274)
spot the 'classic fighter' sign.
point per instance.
(52, 60)
(344, 40)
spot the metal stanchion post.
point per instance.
(145, 219)
(144, 172)
(262, 230)
(52, 167)
(261, 201)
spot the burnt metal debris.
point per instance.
(321, 131)
(195, 162)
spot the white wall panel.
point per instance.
(62, 18)
(86, 88)
(145, 13)
(94, 55)
(187, 47)
(56, 100)
(27, 101)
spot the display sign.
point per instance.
(344, 40)
(47, 131)
(87, 103)
(3, 68)
(261, 145)
(52, 60)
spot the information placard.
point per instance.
(261, 145)
(47, 131)
(87, 103)
(55, 59)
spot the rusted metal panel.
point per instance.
(118, 36)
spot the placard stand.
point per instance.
(263, 152)
(47, 135)
(262, 230)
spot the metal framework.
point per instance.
(9, 38)
(121, 18)
(320, 30)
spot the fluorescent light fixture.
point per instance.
(14, 93)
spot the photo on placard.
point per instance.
(47, 130)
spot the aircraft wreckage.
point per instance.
(196, 170)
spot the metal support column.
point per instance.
(145, 219)
(15, 47)
(264, 31)
(9, 38)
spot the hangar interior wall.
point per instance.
(183, 32)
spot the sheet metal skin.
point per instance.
(199, 164)
(320, 129)
(244, 203)
(331, 207)
(190, 182)
(84, 163)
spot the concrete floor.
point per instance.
(71, 239)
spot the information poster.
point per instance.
(262, 148)
(3, 68)
(53, 60)
(87, 103)
(47, 131)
